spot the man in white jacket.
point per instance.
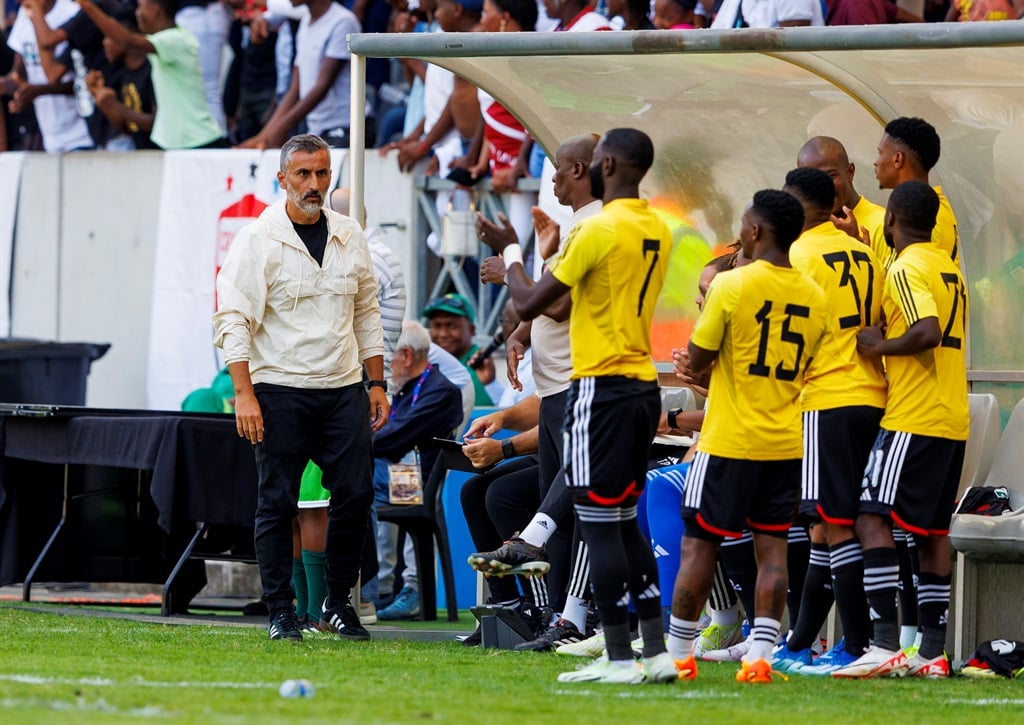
(298, 320)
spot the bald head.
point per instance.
(339, 201)
(827, 154)
(821, 147)
(579, 148)
(572, 161)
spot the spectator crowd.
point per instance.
(172, 74)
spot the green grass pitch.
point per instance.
(112, 670)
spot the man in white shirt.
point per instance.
(298, 320)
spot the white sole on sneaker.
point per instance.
(935, 669)
(717, 637)
(605, 672)
(729, 654)
(876, 662)
(590, 647)
(660, 669)
(534, 568)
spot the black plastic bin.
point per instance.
(54, 373)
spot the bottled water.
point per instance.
(83, 96)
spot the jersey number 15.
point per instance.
(760, 367)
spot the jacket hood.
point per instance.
(279, 226)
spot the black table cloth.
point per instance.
(201, 471)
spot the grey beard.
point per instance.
(310, 207)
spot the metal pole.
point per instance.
(357, 141)
(773, 40)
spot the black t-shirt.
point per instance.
(135, 89)
(314, 236)
(259, 70)
(84, 36)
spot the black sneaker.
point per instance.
(285, 625)
(561, 632)
(475, 639)
(515, 556)
(344, 621)
(537, 618)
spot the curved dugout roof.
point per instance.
(728, 111)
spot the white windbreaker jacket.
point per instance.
(296, 323)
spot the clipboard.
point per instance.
(447, 444)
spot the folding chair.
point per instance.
(425, 523)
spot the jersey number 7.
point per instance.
(959, 303)
(650, 245)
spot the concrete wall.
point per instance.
(34, 285)
(106, 265)
(83, 262)
(84, 250)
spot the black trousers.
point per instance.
(549, 438)
(331, 428)
(497, 504)
(555, 497)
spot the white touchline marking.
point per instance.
(104, 682)
(99, 706)
(648, 692)
(988, 701)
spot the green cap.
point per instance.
(452, 303)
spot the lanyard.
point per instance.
(415, 390)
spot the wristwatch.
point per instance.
(507, 449)
(378, 384)
(671, 415)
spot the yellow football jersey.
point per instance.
(927, 391)
(945, 234)
(766, 323)
(615, 263)
(871, 216)
(852, 278)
